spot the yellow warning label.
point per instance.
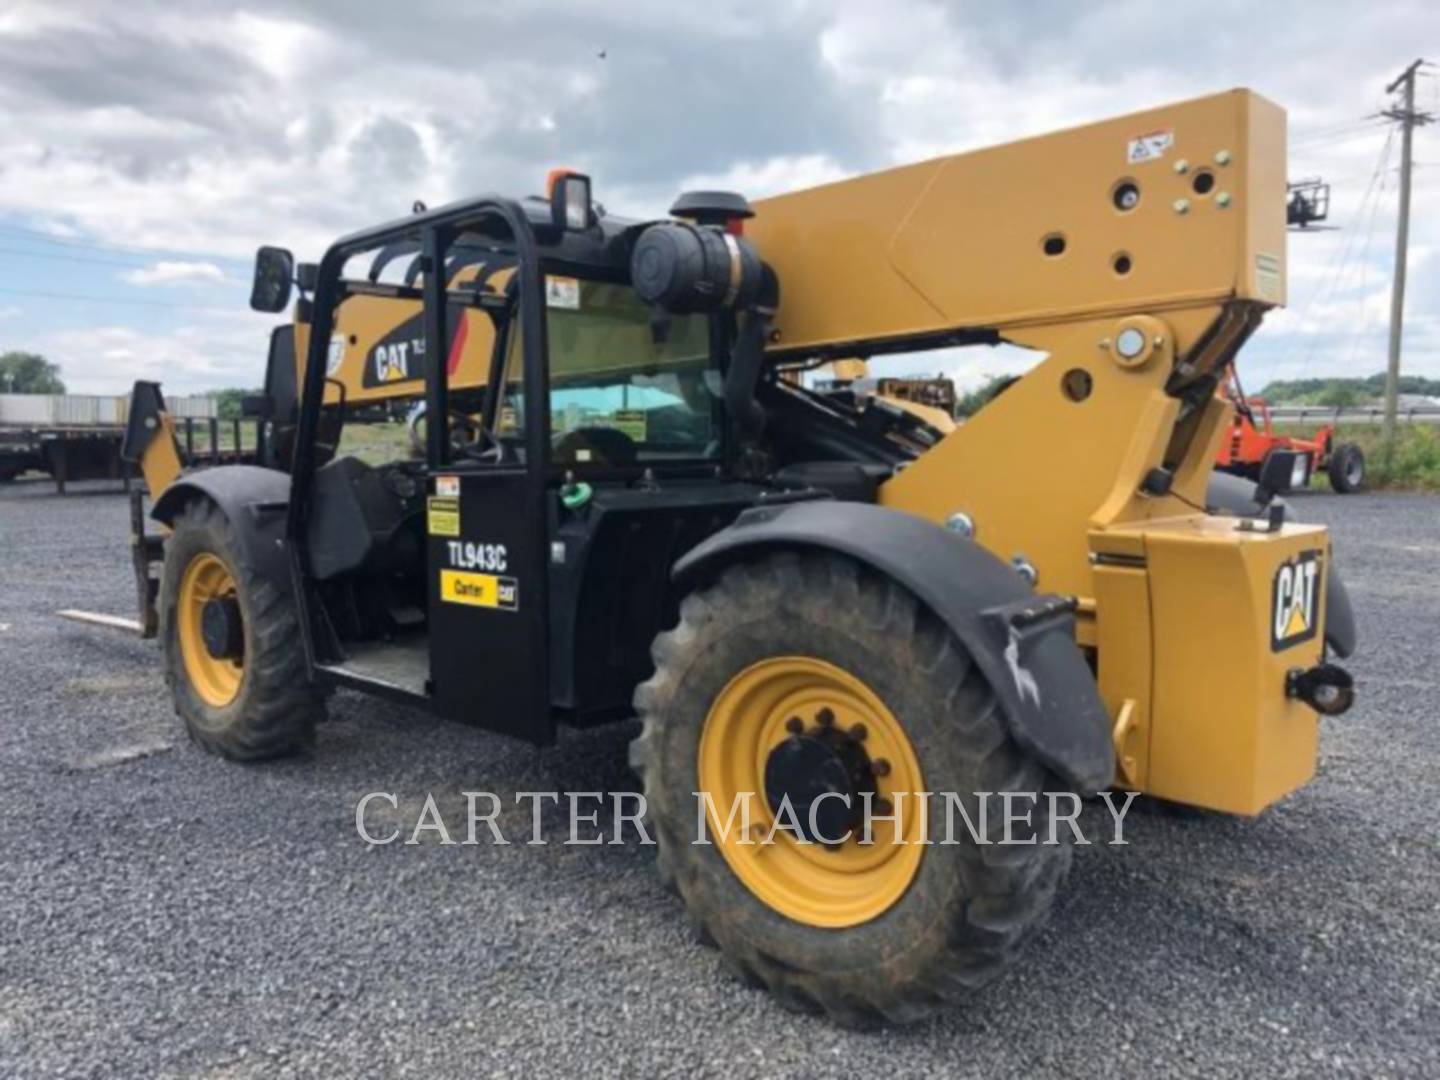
(632, 422)
(442, 516)
(479, 590)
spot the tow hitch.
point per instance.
(1327, 688)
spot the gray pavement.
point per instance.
(164, 913)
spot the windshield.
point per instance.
(624, 388)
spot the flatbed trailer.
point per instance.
(79, 436)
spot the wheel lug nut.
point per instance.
(858, 732)
(881, 767)
(826, 718)
(794, 725)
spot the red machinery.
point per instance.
(1252, 437)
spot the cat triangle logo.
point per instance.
(1295, 601)
(1297, 625)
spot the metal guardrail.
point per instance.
(1354, 414)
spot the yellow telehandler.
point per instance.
(621, 508)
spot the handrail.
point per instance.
(1353, 414)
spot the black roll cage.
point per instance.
(436, 231)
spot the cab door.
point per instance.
(488, 600)
(487, 538)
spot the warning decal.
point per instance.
(632, 422)
(1267, 277)
(1149, 147)
(442, 516)
(335, 355)
(562, 292)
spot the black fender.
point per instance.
(253, 499)
(1024, 644)
(1236, 495)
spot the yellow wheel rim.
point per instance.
(215, 679)
(819, 885)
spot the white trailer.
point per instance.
(78, 436)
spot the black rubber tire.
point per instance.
(1347, 468)
(970, 907)
(276, 710)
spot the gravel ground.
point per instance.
(163, 913)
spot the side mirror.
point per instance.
(570, 200)
(274, 271)
(1282, 471)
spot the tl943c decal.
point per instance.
(1295, 601)
(488, 590)
(469, 555)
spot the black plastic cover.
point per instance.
(252, 499)
(712, 207)
(686, 268)
(1023, 642)
(359, 523)
(143, 422)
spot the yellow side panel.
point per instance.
(380, 343)
(160, 460)
(960, 241)
(829, 244)
(1033, 468)
(1263, 254)
(377, 348)
(1122, 632)
(1224, 734)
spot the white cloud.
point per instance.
(205, 132)
(10, 312)
(772, 176)
(198, 356)
(175, 273)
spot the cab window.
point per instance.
(623, 388)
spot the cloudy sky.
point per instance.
(147, 149)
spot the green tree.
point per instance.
(29, 373)
(227, 401)
(1340, 394)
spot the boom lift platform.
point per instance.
(623, 507)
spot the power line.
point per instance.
(1358, 334)
(1322, 129)
(69, 258)
(1326, 130)
(43, 294)
(1348, 177)
(1338, 260)
(97, 245)
(1339, 264)
(1333, 125)
(1340, 138)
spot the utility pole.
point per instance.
(1408, 118)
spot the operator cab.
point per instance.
(598, 410)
